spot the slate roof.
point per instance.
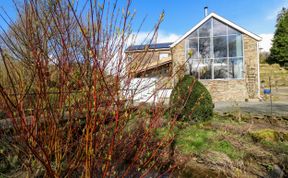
(150, 46)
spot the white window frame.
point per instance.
(212, 57)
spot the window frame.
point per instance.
(212, 57)
(163, 53)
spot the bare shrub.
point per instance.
(61, 91)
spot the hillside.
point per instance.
(279, 75)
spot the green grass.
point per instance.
(278, 75)
(165, 132)
(197, 139)
(279, 147)
(193, 139)
(265, 135)
(226, 147)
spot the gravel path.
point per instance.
(262, 108)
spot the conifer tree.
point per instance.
(279, 50)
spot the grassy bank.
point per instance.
(229, 146)
(279, 75)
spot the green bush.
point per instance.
(286, 65)
(190, 101)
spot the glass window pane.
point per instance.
(193, 48)
(193, 35)
(220, 68)
(219, 28)
(236, 68)
(235, 46)
(204, 48)
(205, 29)
(220, 46)
(205, 69)
(232, 31)
(193, 67)
(201, 68)
(163, 55)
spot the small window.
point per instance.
(163, 55)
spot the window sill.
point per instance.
(236, 79)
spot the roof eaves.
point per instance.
(141, 50)
(157, 46)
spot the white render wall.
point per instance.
(143, 90)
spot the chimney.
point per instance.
(205, 11)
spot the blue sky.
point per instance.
(257, 16)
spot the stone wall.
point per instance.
(164, 83)
(226, 90)
(251, 66)
(178, 59)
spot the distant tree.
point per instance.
(264, 57)
(279, 52)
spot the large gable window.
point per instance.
(215, 51)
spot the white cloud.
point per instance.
(266, 42)
(167, 37)
(145, 37)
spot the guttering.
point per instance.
(148, 50)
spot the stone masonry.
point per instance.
(225, 89)
(251, 65)
(178, 59)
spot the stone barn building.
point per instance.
(221, 54)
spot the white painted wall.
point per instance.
(144, 90)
